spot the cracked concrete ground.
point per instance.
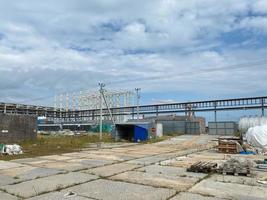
(141, 171)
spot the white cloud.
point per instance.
(256, 24)
(64, 45)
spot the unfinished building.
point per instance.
(88, 100)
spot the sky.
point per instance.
(174, 50)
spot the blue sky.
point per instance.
(173, 50)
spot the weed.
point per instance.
(49, 145)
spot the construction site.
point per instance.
(133, 100)
(104, 145)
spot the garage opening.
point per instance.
(125, 132)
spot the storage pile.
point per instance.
(257, 137)
(237, 167)
(231, 145)
(13, 149)
(203, 167)
(233, 166)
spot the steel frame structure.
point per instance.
(88, 100)
(92, 114)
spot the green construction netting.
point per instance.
(106, 128)
(2, 146)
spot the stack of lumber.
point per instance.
(230, 145)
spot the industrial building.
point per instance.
(152, 127)
(173, 124)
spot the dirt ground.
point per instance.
(130, 171)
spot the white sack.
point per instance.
(257, 136)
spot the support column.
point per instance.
(215, 116)
(262, 107)
(132, 112)
(157, 110)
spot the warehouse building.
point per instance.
(173, 124)
(151, 127)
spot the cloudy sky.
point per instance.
(175, 50)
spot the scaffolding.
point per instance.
(90, 100)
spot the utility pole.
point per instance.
(101, 90)
(111, 116)
(137, 101)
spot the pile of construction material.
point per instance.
(62, 133)
(231, 145)
(262, 164)
(203, 167)
(255, 129)
(233, 166)
(257, 137)
(10, 149)
(237, 167)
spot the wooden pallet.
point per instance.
(227, 147)
(202, 167)
(227, 150)
(236, 172)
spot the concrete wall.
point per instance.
(14, 128)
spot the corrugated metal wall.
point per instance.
(178, 124)
(192, 128)
(180, 127)
(222, 128)
(171, 127)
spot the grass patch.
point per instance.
(50, 145)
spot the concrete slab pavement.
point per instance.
(115, 190)
(156, 180)
(192, 196)
(229, 190)
(155, 171)
(59, 196)
(43, 185)
(111, 170)
(5, 196)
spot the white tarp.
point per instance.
(247, 122)
(257, 136)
